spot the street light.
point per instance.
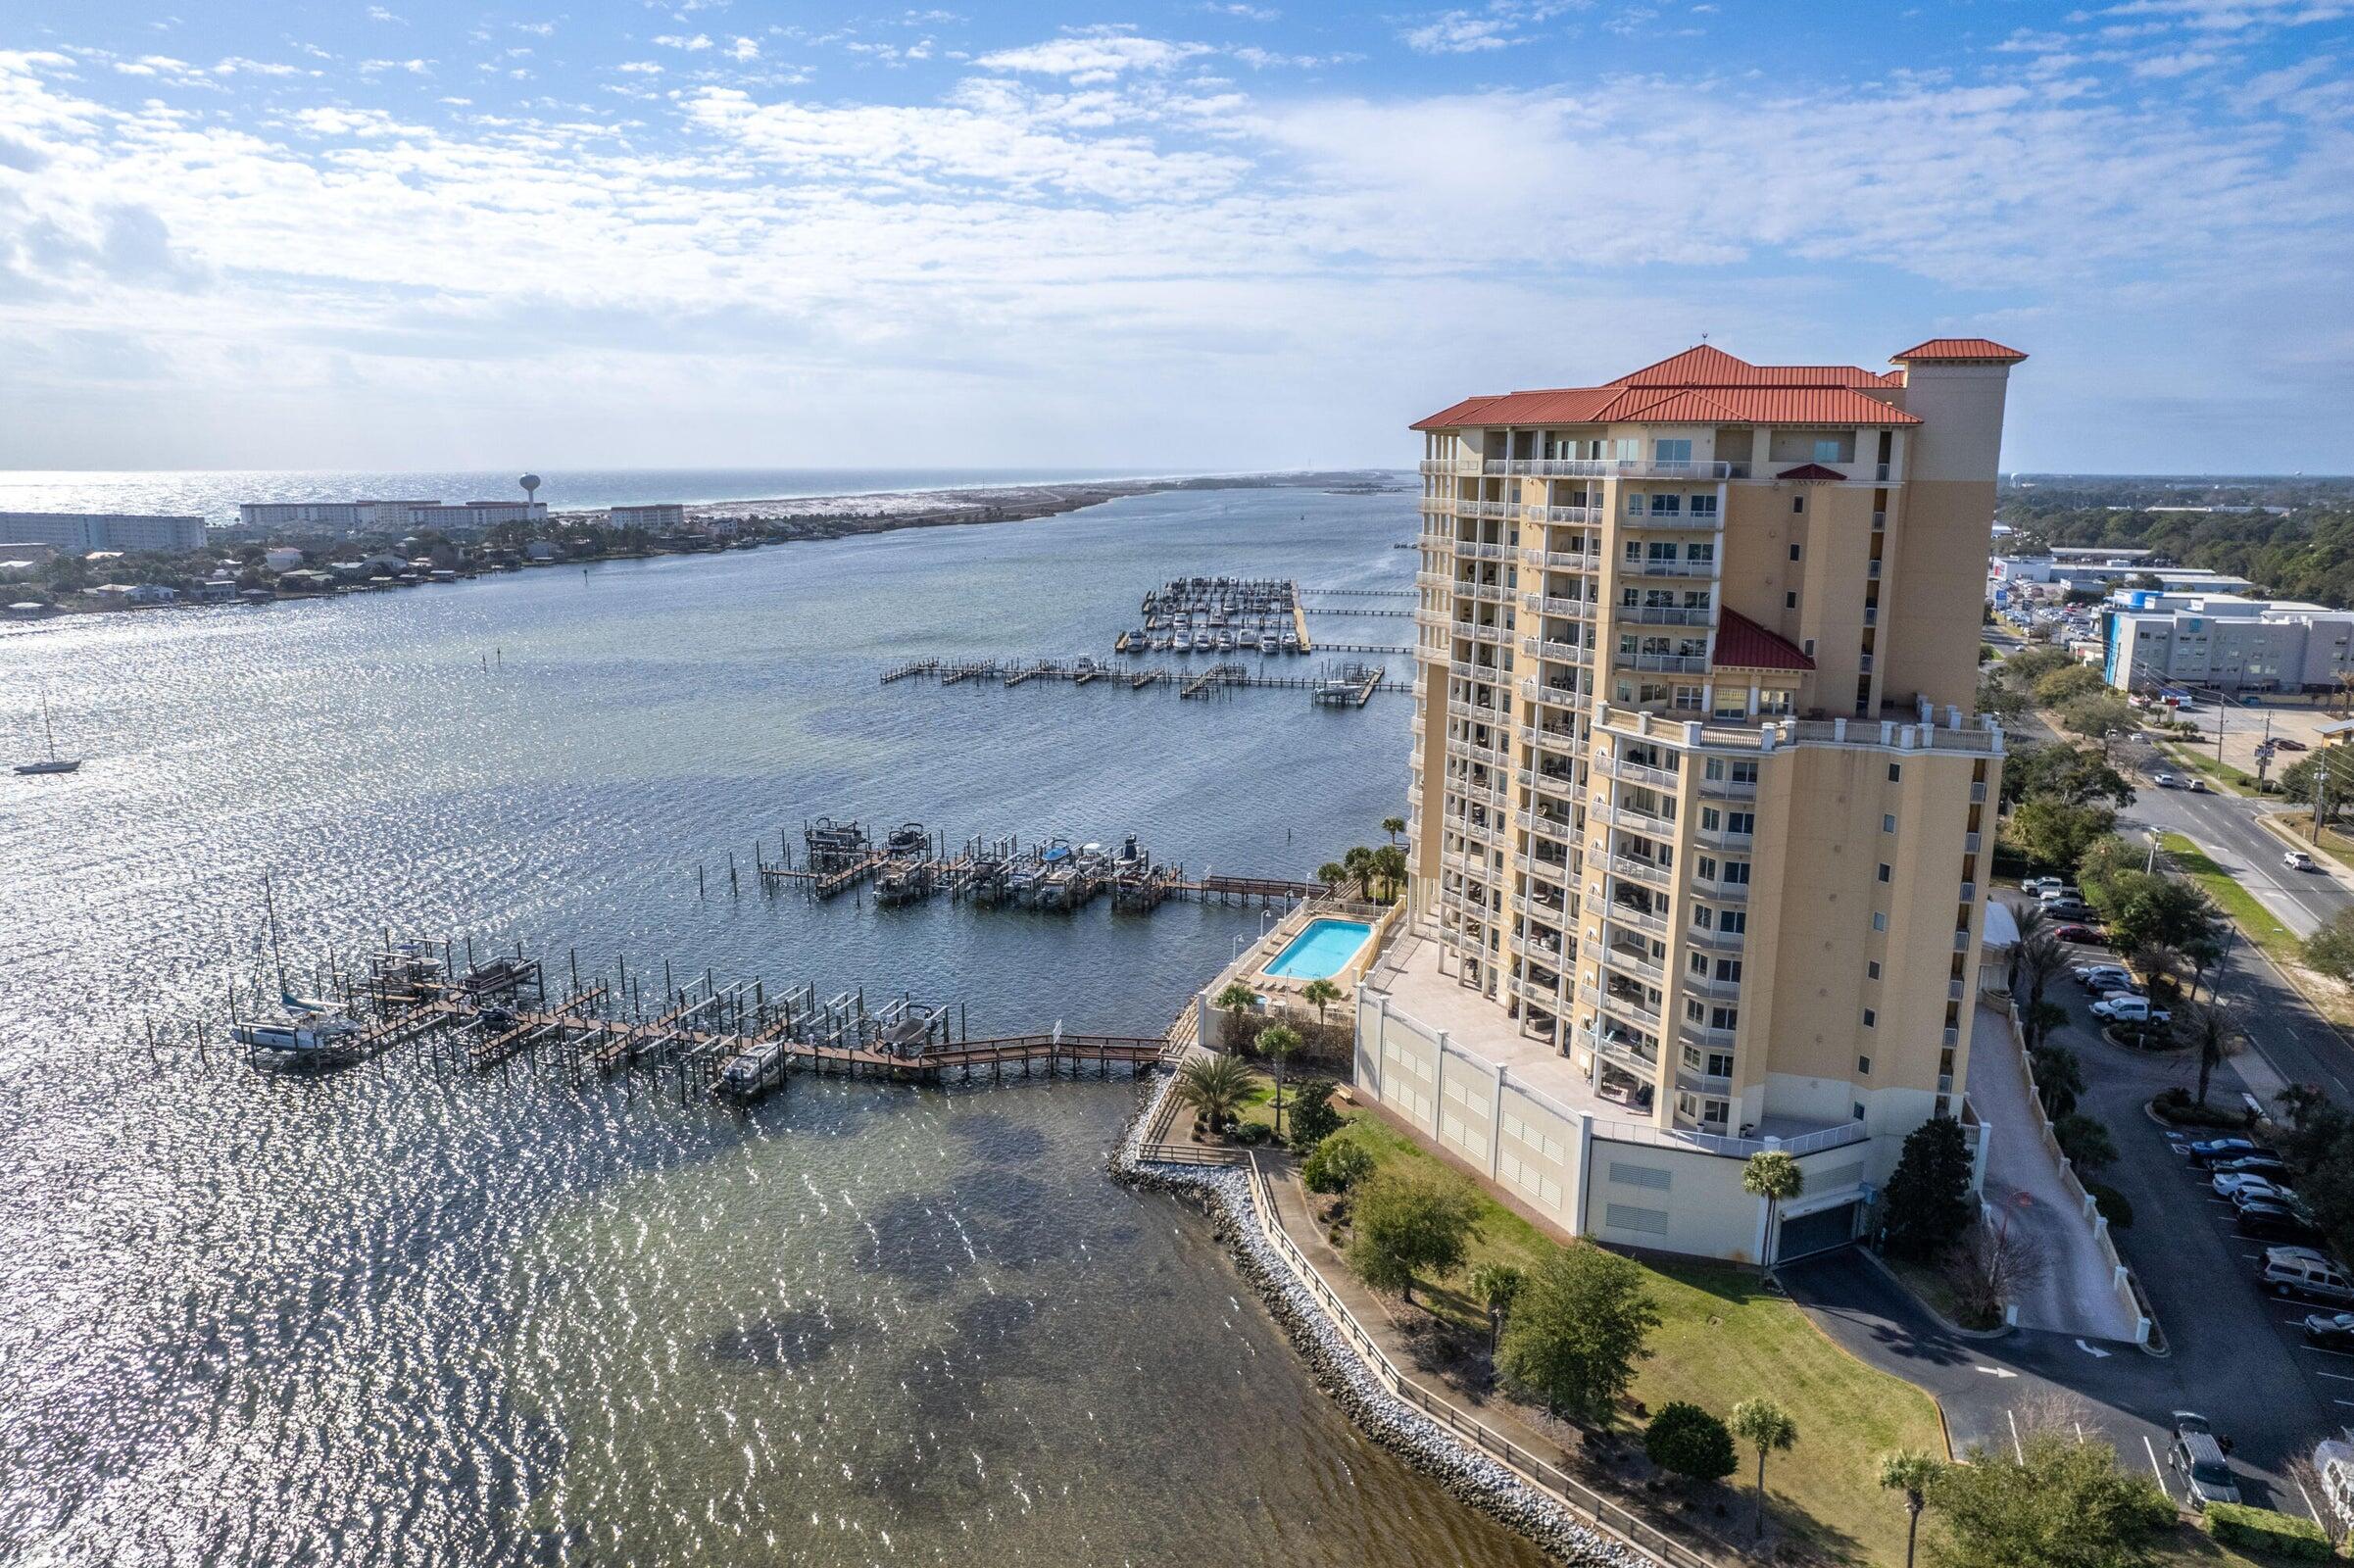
(2151, 869)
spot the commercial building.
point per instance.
(81, 531)
(2063, 573)
(666, 517)
(2224, 641)
(1701, 822)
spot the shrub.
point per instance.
(1928, 1201)
(2176, 1105)
(1687, 1440)
(2112, 1205)
(1578, 1328)
(1337, 1163)
(1409, 1222)
(2275, 1535)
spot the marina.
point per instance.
(1359, 679)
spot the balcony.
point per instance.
(1566, 653)
(1634, 919)
(1635, 963)
(1700, 1083)
(1475, 549)
(1670, 520)
(1553, 786)
(1506, 510)
(1666, 615)
(1703, 985)
(1545, 690)
(1731, 788)
(1722, 892)
(1648, 872)
(1608, 468)
(1568, 559)
(1666, 664)
(1716, 940)
(1566, 514)
(1640, 821)
(1623, 1053)
(1638, 773)
(1722, 837)
(1566, 609)
(1646, 567)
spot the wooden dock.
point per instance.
(1189, 682)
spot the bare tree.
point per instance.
(2308, 1478)
(1994, 1266)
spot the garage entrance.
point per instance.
(1818, 1231)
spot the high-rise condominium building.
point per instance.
(103, 530)
(1701, 818)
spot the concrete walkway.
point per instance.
(2024, 1184)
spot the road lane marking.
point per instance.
(2020, 1448)
(2155, 1468)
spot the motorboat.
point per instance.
(1184, 642)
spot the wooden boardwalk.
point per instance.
(1190, 681)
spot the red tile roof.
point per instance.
(1742, 643)
(1812, 473)
(1951, 349)
(1702, 385)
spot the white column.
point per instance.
(1439, 1087)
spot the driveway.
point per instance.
(2076, 1293)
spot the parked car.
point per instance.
(2068, 907)
(2302, 1272)
(2209, 1151)
(2100, 976)
(2331, 1331)
(2166, 781)
(2272, 1168)
(2287, 744)
(2298, 860)
(2264, 1221)
(2199, 1460)
(2085, 934)
(2052, 892)
(2125, 1008)
(2035, 886)
(2249, 1189)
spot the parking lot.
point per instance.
(2237, 1355)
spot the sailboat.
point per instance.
(52, 763)
(312, 1030)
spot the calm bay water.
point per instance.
(390, 1316)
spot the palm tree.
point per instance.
(2209, 1029)
(1497, 1284)
(1393, 825)
(1909, 1471)
(1774, 1176)
(1320, 995)
(1358, 863)
(1390, 864)
(1767, 1427)
(1214, 1086)
(1279, 1043)
(1236, 1001)
(1331, 873)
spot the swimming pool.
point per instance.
(1324, 949)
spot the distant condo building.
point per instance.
(104, 531)
(329, 513)
(665, 517)
(473, 515)
(1701, 818)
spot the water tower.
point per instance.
(530, 484)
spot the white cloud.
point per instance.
(743, 49)
(693, 46)
(640, 67)
(1460, 33)
(415, 68)
(1093, 55)
(379, 13)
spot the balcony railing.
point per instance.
(1628, 915)
(1566, 609)
(1566, 653)
(1670, 520)
(1736, 789)
(1666, 615)
(1646, 871)
(1670, 664)
(1474, 550)
(1716, 940)
(1634, 962)
(1646, 567)
(1609, 468)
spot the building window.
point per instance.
(1634, 504)
(1790, 600)
(1667, 506)
(1795, 551)
(1703, 506)
(1863, 1066)
(1827, 449)
(1895, 772)
(1723, 1018)
(1810, 648)
(1884, 871)
(1671, 450)
(1797, 504)
(1870, 1018)
(1880, 921)
(1888, 821)
(1872, 969)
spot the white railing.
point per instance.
(1667, 664)
(1647, 568)
(1627, 1528)
(1611, 468)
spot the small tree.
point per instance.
(1277, 1043)
(2060, 1503)
(1774, 1176)
(1687, 1440)
(1320, 993)
(1406, 1222)
(2053, 833)
(1393, 825)
(1496, 1286)
(1313, 1119)
(1576, 1329)
(1331, 873)
(2059, 1079)
(1929, 1192)
(2330, 948)
(1909, 1471)
(1768, 1428)
(1335, 1164)
(1994, 1266)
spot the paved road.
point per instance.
(2225, 826)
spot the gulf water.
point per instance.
(400, 1316)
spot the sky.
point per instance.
(1216, 235)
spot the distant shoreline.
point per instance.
(795, 517)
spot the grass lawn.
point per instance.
(2336, 843)
(2191, 1547)
(1724, 1337)
(2233, 781)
